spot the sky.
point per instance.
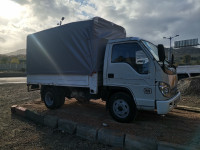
(148, 19)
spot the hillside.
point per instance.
(192, 51)
(180, 55)
(17, 52)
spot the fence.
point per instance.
(13, 67)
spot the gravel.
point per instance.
(18, 133)
(190, 91)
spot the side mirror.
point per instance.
(161, 52)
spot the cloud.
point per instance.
(153, 19)
(2, 40)
(22, 2)
(148, 19)
(3, 21)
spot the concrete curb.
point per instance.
(87, 132)
(34, 116)
(192, 109)
(67, 126)
(18, 110)
(51, 121)
(110, 137)
(102, 135)
(171, 146)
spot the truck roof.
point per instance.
(124, 39)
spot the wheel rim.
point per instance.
(121, 108)
(49, 99)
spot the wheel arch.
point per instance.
(112, 90)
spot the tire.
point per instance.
(122, 107)
(53, 97)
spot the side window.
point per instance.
(132, 54)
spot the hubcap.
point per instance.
(121, 108)
(49, 99)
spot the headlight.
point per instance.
(164, 89)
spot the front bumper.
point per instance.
(163, 107)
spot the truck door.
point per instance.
(129, 66)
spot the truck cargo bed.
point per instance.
(74, 48)
(87, 81)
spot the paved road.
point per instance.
(12, 80)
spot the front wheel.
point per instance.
(122, 107)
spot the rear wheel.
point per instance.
(122, 107)
(53, 97)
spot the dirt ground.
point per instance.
(170, 128)
(18, 133)
(181, 127)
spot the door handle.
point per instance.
(110, 75)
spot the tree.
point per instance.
(187, 59)
(4, 60)
(14, 60)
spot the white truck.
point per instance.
(94, 59)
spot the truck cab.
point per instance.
(137, 67)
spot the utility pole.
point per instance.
(170, 49)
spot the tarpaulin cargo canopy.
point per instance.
(74, 48)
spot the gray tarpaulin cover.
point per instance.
(74, 48)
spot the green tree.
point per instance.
(4, 60)
(14, 60)
(198, 61)
(187, 59)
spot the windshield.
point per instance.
(152, 48)
(154, 51)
